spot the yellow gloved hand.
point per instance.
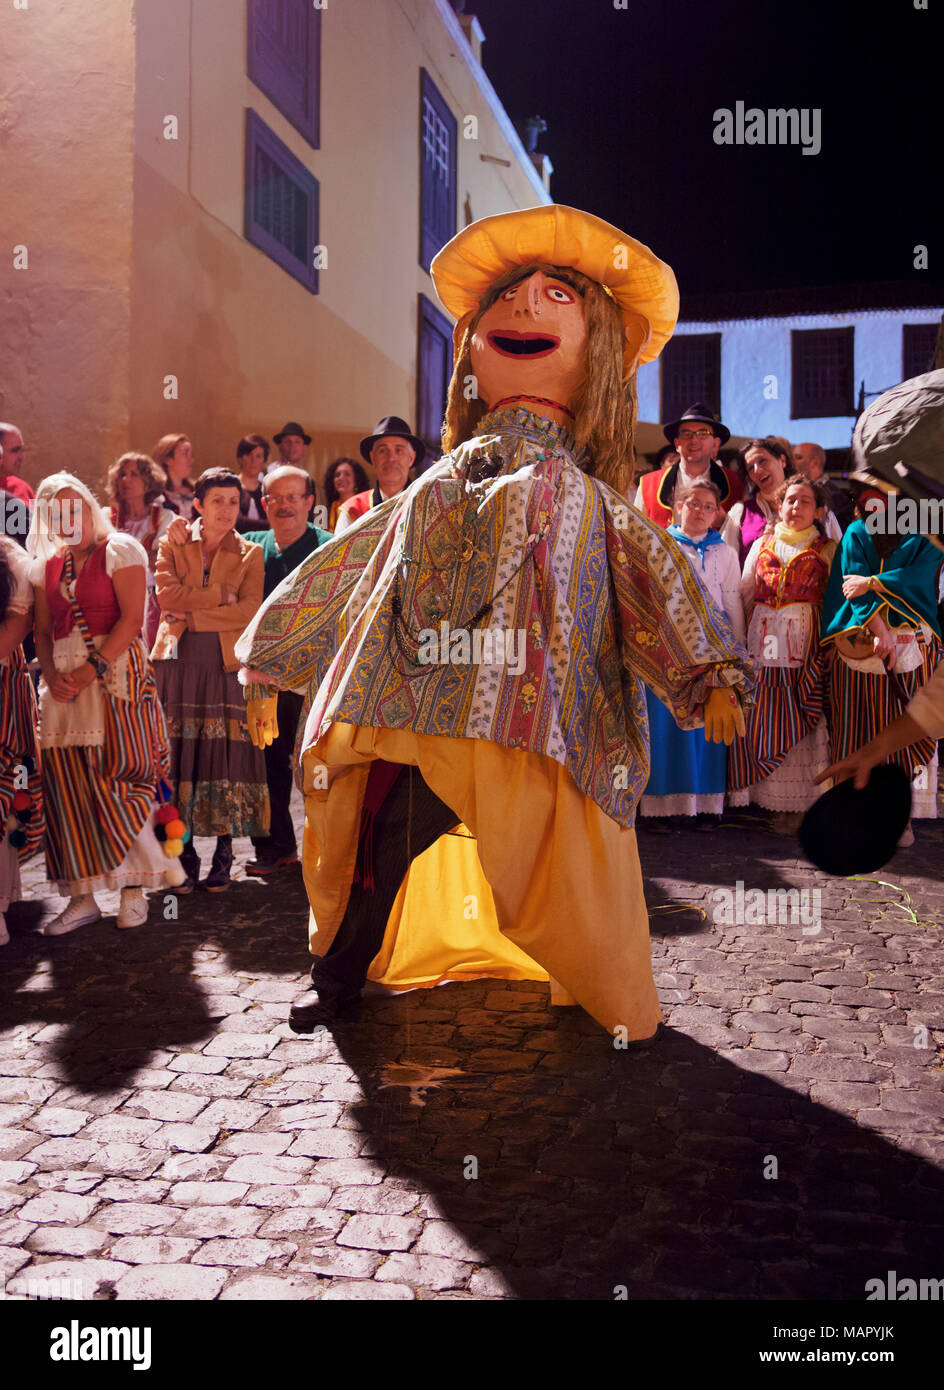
(261, 721)
(723, 716)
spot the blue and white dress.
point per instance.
(687, 776)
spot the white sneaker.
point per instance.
(4, 934)
(134, 909)
(77, 913)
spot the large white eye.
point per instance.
(559, 294)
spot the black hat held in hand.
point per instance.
(855, 832)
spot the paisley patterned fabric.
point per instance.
(584, 602)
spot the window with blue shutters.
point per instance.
(284, 59)
(281, 212)
(433, 370)
(438, 132)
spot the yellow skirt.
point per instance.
(549, 886)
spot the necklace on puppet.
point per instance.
(535, 400)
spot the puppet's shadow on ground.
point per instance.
(572, 1168)
(668, 1173)
(112, 1001)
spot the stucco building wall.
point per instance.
(138, 267)
(251, 347)
(66, 114)
(753, 350)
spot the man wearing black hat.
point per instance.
(391, 451)
(292, 441)
(697, 435)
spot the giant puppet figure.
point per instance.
(475, 650)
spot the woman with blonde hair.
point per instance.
(102, 732)
(136, 488)
(173, 453)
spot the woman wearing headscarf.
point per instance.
(102, 733)
(880, 616)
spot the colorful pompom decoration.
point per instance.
(22, 801)
(168, 826)
(17, 838)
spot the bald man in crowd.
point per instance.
(811, 461)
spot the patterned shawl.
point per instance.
(505, 595)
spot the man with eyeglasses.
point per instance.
(288, 495)
(697, 435)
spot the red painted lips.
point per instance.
(530, 345)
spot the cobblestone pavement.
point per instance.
(165, 1136)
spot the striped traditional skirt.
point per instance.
(100, 778)
(219, 778)
(862, 704)
(19, 772)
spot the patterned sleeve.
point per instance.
(298, 631)
(673, 638)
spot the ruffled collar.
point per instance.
(798, 539)
(518, 420)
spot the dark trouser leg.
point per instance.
(398, 837)
(280, 761)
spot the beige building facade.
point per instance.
(151, 302)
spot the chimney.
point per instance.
(474, 33)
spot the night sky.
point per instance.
(629, 97)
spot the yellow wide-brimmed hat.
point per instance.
(643, 288)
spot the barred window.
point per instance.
(918, 341)
(690, 371)
(438, 132)
(823, 370)
(284, 59)
(281, 203)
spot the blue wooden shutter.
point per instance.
(281, 203)
(433, 370)
(438, 133)
(284, 59)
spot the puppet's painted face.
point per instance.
(531, 341)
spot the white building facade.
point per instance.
(801, 375)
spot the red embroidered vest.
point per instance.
(94, 591)
(801, 580)
(658, 488)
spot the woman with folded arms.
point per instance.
(209, 585)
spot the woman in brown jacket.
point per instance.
(209, 586)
